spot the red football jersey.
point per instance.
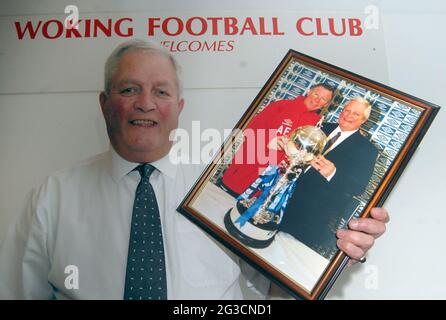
(279, 118)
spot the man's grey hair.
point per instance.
(136, 45)
(368, 106)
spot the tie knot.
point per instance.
(337, 135)
(331, 142)
(145, 170)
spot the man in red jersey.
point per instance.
(277, 120)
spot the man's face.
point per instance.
(143, 106)
(317, 98)
(352, 117)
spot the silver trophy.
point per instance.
(255, 219)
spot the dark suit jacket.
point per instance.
(317, 205)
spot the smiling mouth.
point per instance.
(143, 123)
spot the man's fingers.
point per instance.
(281, 144)
(324, 161)
(315, 164)
(350, 249)
(370, 226)
(358, 239)
(362, 233)
(380, 214)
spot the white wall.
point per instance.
(42, 131)
(408, 259)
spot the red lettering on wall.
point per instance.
(331, 25)
(118, 30)
(211, 46)
(87, 28)
(53, 29)
(355, 27)
(262, 27)
(203, 23)
(214, 21)
(180, 26)
(198, 26)
(73, 30)
(195, 26)
(152, 26)
(59, 29)
(29, 28)
(248, 25)
(198, 46)
(336, 27)
(230, 45)
(276, 31)
(319, 31)
(106, 30)
(231, 26)
(300, 28)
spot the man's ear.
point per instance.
(181, 104)
(364, 120)
(102, 100)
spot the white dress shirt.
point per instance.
(81, 217)
(344, 135)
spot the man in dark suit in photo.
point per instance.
(325, 191)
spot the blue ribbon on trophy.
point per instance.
(266, 182)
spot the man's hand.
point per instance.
(355, 242)
(362, 234)
(323, 166)
(278, 143)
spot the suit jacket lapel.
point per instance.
(344, 147)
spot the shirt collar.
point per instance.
(343, 133)
(165, 166)
(119, 167)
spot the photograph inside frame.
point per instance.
(308, 157)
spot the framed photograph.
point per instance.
(318, 146)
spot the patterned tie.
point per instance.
(331, 142)
(146, 270)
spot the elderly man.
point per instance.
(324, 194)
(277, 121)
(107, 228)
